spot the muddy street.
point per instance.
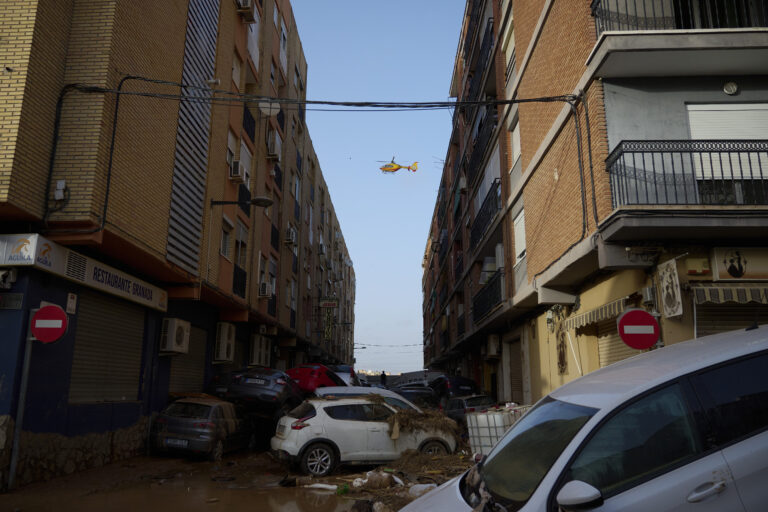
(239, 482)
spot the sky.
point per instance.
(393, 51)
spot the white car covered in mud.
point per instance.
(321, 433)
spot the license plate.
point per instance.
(255, 381)
(176, 443)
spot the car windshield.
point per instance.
(188, 410)
(519, 461)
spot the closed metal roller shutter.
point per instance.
(610, 348)
(516, 372)
(188, 370)
(108, 346)
(715, 318)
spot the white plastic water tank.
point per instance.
(486, 428)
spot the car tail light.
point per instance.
(205, 424)
(300, 423)
(281, 381)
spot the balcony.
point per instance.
(243, 198)
(489, 296)
(443, 296)
(278, 177)
(696, 189)
(679, 38)
(275, 238)
(239, 280)
(485, 131)
(472, 26)
(296, 210)
(272, 306)
(249, 123)
(445, 341)
(281, 119)
(444, 246)
(483, 58)
(458, 267)
(491, 206)
(461, 326)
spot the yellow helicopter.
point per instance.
(393, 167)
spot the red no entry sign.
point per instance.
(49, 323)
(638, 329)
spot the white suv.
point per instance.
(321, 433)
(680, 428)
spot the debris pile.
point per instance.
(411, 420)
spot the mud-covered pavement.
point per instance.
(241, 481)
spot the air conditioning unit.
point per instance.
(290, 236)
(274, 145)
(462, 183)
(493, 346)
(225, 342)
(237, 171)
(245, 9)
(174, 337)
(265, 290)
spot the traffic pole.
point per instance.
(20, 414)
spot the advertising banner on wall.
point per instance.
(36, 251)
(669, 282)
(740, 264)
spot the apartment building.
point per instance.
(157, 183)
(623, 165)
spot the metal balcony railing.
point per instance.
(491, 206)
(249, 123)
(628, 15)
(474, 18)
(444, 246)
(458, 267)
(489, 296)
(478, 69)
(239, 279)
(481, 144)
(690, 172)
(243, 198)
(275, 238)
(442, 295)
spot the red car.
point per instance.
(309, 377)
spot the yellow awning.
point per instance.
(604, 312)
(705, 293)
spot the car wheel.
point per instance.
(434, 448)
(217, 451)
(318, 460)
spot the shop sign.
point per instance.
(740, 264)
(34, 250)
(11, 300)
(669, 281)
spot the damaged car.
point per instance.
(322, 433)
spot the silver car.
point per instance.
(681, 428)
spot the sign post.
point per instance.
(638, 329)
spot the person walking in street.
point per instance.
(383, 378)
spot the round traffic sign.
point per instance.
(49, 323)
(638, 328)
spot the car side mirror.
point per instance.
(578, 495)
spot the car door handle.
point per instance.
(706, 490)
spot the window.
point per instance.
(735, 398)
(396, 402)
(241, 245)
(272, 74)
(226, 236)
(276, 16)
(347, 412)
(297, 187)
(284, 48)
(519, 227)
(377, 412)
(253, 39)
(245, 161)
(236, 70)
(646, 438)
(231, 147)
(516, 152)
(296, 78)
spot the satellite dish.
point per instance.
(269, 108)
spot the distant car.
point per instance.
(309, 377)
(263, 391)
(447, 387)
(321, 433)
(389, 396)
(684, 427)
(457, 408)
(204, 426)
(346, 373)
(420, 394)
